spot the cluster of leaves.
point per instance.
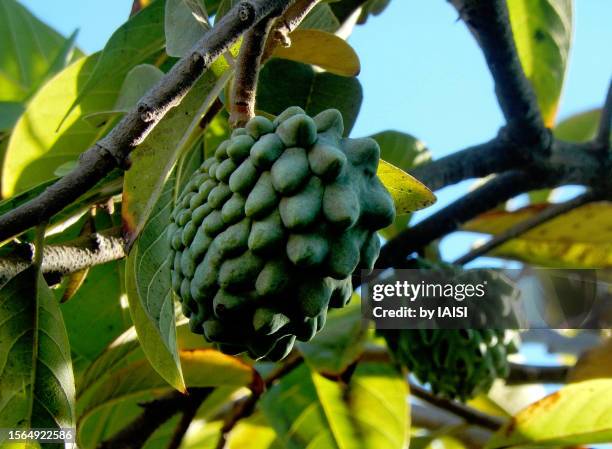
(117, 341)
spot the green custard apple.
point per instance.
(267, 233)
(462, 363)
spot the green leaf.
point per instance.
(158, 154)
(95, 315)
(284, 83)
(202, 368)
(577, 414)
(580, 127)
(408, 193)
(149, 293)
(36, 148)
(36, 380)
(543, 33)
(253, 433)
(321, 18)
(322, 49)
(136, 83)
(405, 152)
(308, 410)
(31, 52)
(339, 343)
(185, 22)
(131, 44)
(9, 114)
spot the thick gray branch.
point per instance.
(114, 149)
(70, 257)
(490, 24)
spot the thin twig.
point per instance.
(482, 199)
(114, 149)
(189, 412)
(242, 104)
(244, 408)
(470, 415)
(531, 374)
(155, 413)
(285, 24)
(515, 231)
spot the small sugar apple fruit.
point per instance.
(266, 234)
(462, 363)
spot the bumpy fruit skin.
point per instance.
(461, 363)
(265, 236)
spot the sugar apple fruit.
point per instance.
(462, 363)
(266, 234)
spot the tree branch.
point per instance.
(546, 215)
(449, 219)
(156, 413)
(470, 415)
(525, 374)
(288, 22)
(114, 149)
(69, 257)
(490, 24)
(242, 105)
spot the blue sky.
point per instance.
(422, 72)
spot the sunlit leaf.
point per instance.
(596, 363)
(308, 410)
(28, 58)
(131, 44)
(579, 413)
(580, 238)
(95, 315)
(36, 380)
(408, 193)
(202, 368)
(340, 342)
(405, 152)
(253, 433)
(322, 49)
(543, 33)
(580, 127)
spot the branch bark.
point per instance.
(156, 413)
(490, 24)
(470, 415)
(530, 374)
(114, 149)
(64, 258)
(242, 107)
(499, 189)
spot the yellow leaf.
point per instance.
(581, 238)
(322, 49)
(408, 193)
(596, 363)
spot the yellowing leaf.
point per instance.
(596, 363)
(202, 368)
(543, 33)
(581, 238)
(322, 49)
(579, 413)
(408, 193)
